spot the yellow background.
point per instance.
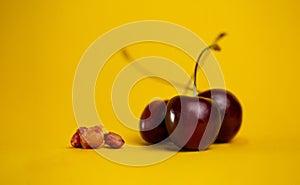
(42, 43)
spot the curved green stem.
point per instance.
(196, 68)
(213, 46)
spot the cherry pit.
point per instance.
(193, 123)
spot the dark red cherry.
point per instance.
(193, 123)
(152, 123)
(230, 109)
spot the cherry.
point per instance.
(152, 123)
(230, 107)
(192, 122)
(231, 111)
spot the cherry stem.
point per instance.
(213, 46)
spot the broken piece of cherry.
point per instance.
(75, 141)
(94, 137)
(113, 140)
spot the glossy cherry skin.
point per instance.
(193, 123)
(231, 111)
(152, 123)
